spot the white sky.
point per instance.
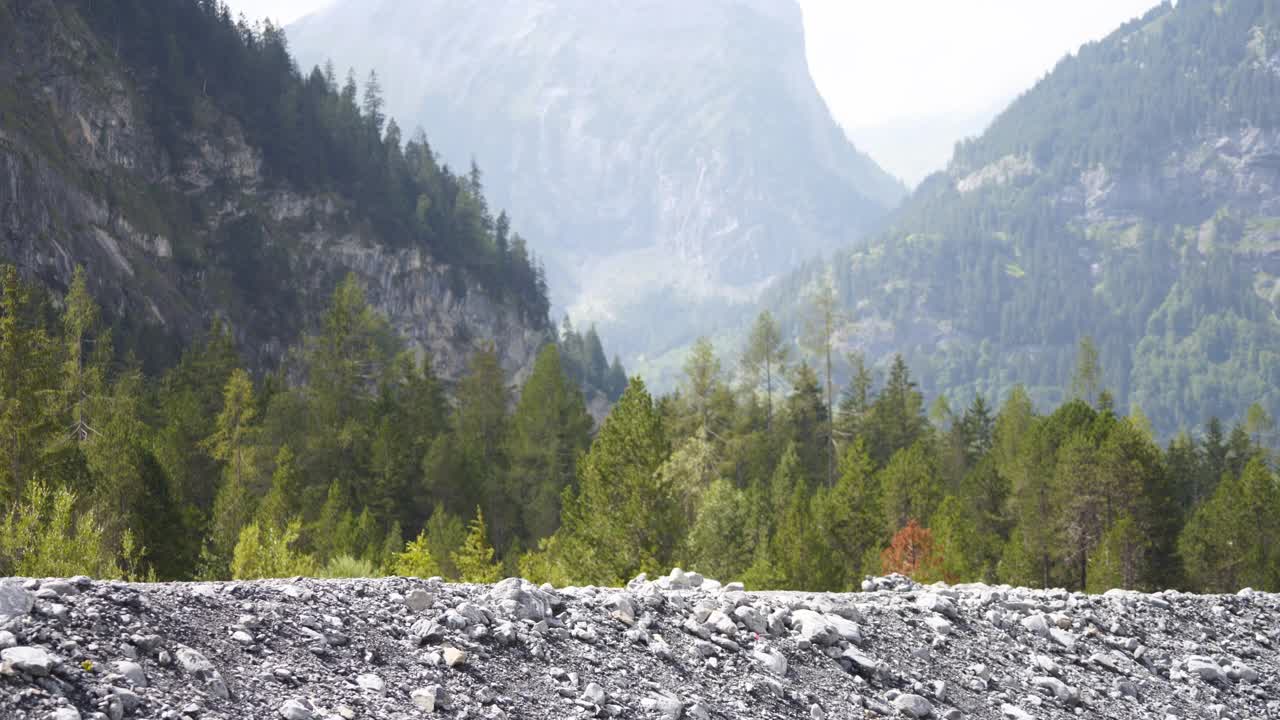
(876, 62)
(879, 63)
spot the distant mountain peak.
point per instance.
(650, 150)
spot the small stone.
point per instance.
(295, 710)
(15, 600)
(419, 600)
(913, 706)
(242, 637)
(132, 672)
(369, 681)
(7, 639)
(1013, 712)
(453, 657)
(31, 660)
(772, 660)
(65, 713)
(1036, 624)
(430, 698)
(594, 694)
(940, 625)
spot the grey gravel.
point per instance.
(680, 646)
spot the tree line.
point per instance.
(327, 466)
(353, 461)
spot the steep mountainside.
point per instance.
(195, 174)
(1132, 195)
(647, 146)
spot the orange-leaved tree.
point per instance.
(912, 552)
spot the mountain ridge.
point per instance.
(1130, 195)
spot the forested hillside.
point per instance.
(198, 174)
(359, 467)
(1133, 195)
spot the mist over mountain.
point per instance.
(667, 159)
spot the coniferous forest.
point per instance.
(785, 462)
(353, 462)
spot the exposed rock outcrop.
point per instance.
(171, 243)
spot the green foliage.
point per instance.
(45, 535)
(549, 430)
(911, 487)
(721, 539)
(1120, 559)
(474, 559)
(1233, 539)
(416, 560)
(623, 519)
(993, 271)
(345, 566)
(267, 552)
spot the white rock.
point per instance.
(295, 710)
(1206, 669)
(31, 660)
(418, 600)
(1037, 624)
(1060, 690)
(369, 681)
(913, 706)
(131, 671)
(430, 698)
(594, 694)
(772, 660)
(1013, 712)
(932, 602)
(939, 624)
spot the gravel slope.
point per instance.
(678, 647)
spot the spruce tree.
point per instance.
(621, 520)
(474, 559)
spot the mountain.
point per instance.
(1132, 195)
(196, 174)
(669, 157)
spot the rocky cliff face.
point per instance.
(653, 149)
(679, 647)
(170, 243)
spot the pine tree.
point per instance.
(820, 336)
(445, 535)
(851, 518)
(1086, 380)
(482, 428)
(911, 487)
(269, 553)
(621, 520)
(914, 553)
(764, 360)
(474, 559)
(897, 417)
(721, 539)
(26, 373)
(416, 560)
(549, 430)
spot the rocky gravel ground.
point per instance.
(677, 647)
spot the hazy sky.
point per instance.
(907, 77)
